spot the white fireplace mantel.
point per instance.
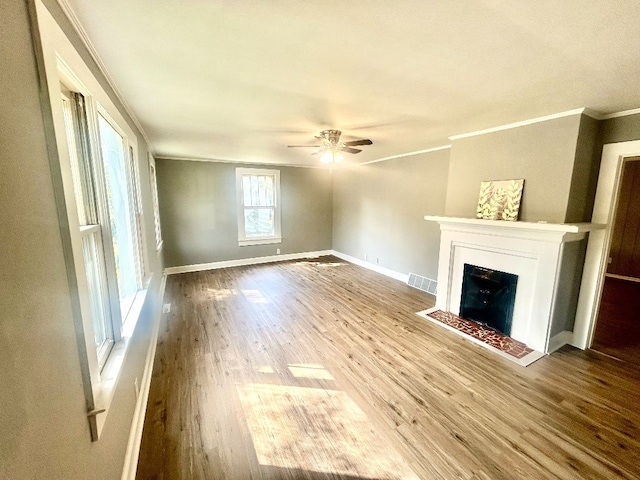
(543, 255)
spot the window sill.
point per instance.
(259, 241)
(111, 371)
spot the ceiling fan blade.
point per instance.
(351, 150)
(321, 150)
(355, 143)
(303, 146)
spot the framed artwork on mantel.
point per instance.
(500, 199)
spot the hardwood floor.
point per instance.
(618, 327)
(321, 369)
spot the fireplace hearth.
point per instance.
(488, 297)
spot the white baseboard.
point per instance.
(244, 261)
(559, 340)
(371, 266)
(135, 435)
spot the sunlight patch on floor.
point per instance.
(265, 369)
(310, 370)
(255, 296)
(320, 264)
(317, 430)
(221, 293)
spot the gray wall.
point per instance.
(44, 431)
(199, 215)
(569, 278)
(621, 129)
(541, 153)
(378, 210)
(584, 179)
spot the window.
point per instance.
(154, 199)
(121, 202)
(89, 229)
(101, 225)
(258, 197)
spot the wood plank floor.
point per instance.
(618, 327)
(321, 370)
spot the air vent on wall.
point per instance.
(422, 283)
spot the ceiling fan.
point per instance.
(331, 147)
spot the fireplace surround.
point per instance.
(547, 259)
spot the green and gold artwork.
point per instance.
(500, 199)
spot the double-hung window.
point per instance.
(103, 240)
(154, 198)
(258, 197)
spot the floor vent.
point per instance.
(422, 283)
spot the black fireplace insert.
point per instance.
(488, 297)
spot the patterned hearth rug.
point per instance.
(501, 344)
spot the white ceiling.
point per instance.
(240, 80)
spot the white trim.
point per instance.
(244, 261)
(135, 434)
(393, 157)
(259, 241)
(322, 167)
(376, 268)
(569, 113)
(595, 266)
(563, 338)
(84, 38)
(261, 163)
(153, 185)
(563, 228)
(624, 113)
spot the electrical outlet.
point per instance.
(166, 308)
(277, 251)
(377, 260)
(365, 256)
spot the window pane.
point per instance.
(120, 213)
(156, 207)
(268, 186)
(258, 222)
(257, 190)
(103, 333)
(246, 190)
(262, 191)
(254, 190)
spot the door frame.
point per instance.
(608, 191)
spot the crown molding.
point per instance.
(624, 113)
(241, 162)
(84, 38)
(569, 113)
(393, 157)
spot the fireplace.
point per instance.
(488, 297)
(546, 260)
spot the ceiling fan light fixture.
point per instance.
(331, 148)
(327, 157)
(331, 156)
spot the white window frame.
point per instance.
(64, 66)
(130, 156)
(153, 181)
(277, 236)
